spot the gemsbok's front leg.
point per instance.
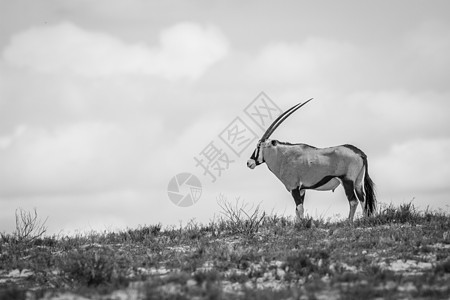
(299, 197)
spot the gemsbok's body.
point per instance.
(301, 167)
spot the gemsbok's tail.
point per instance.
(369, 187)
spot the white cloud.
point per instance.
(82, 157)
(416, 60)
(186, 50)
(431, 42)
(425, 55)
(179, 154)
(401, 114)
(305, 62)
(416, 165)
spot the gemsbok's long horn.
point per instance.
(281, 119)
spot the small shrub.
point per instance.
(238, 277)
(12, 293)
(365, 292)
(304, 223)
(308, 262)
(28, 226)
(194, 231)
(206, 276)
(175, 286)
(443, 267)
(141, 234)
(347, 276)
(301, 264)
(241, 219)
(404, 213)
(269, 294)
(94, 266)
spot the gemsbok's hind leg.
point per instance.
(351, 196)
(299, 197)
(359, 189)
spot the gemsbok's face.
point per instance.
(256, 158)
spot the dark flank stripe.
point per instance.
(321, 182)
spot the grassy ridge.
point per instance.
(399, 253)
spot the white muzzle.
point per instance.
(251, 164)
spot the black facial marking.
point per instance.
(255, 156)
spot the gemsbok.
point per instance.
(301, 167)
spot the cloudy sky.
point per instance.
(102, 103)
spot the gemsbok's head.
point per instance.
(257, 157)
